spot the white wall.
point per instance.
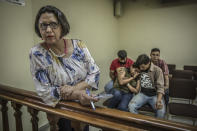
(146, 24)
(16, 38)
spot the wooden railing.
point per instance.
(107, 119)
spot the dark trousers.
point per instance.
(120, 100)
(65, 125)
(166, 97)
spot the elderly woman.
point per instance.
(62, 69)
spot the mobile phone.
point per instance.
(103, 96)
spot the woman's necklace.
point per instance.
(63, 54)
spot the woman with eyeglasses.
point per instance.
(62, 68)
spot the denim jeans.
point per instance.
(140, 99)
(108, 87)
(120, 100)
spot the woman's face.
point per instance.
(50, 29)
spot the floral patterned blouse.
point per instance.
(50, 72)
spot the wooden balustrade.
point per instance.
(34, 118)
(4, 110)
(17, 114)
(105, 118)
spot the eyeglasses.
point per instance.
(53, 25)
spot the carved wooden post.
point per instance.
(34, 118)
(53, 119)
(4, 110)
(17, 114)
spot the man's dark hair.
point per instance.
(134, 65)
(122, 54)
(155, 50)
(61, 18)
(142, 59)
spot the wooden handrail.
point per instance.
(104, 118)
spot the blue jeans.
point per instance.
(140, 99)
(108, 87)
(120, 100)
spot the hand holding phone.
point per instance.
(91, 102)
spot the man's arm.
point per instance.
(166, 82)
(112, 75)
(166, 75)
(159, 80)
(160, 88)
(112, 70)
(121, 76)
(134, 90)
(159, 104)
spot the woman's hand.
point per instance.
(66, 91)
(69, 93)
(85, 98)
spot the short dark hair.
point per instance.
(122, 54)
(142, 59)
(58, 14)
(155, 50)
(134, 65)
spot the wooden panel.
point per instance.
(105, 118)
